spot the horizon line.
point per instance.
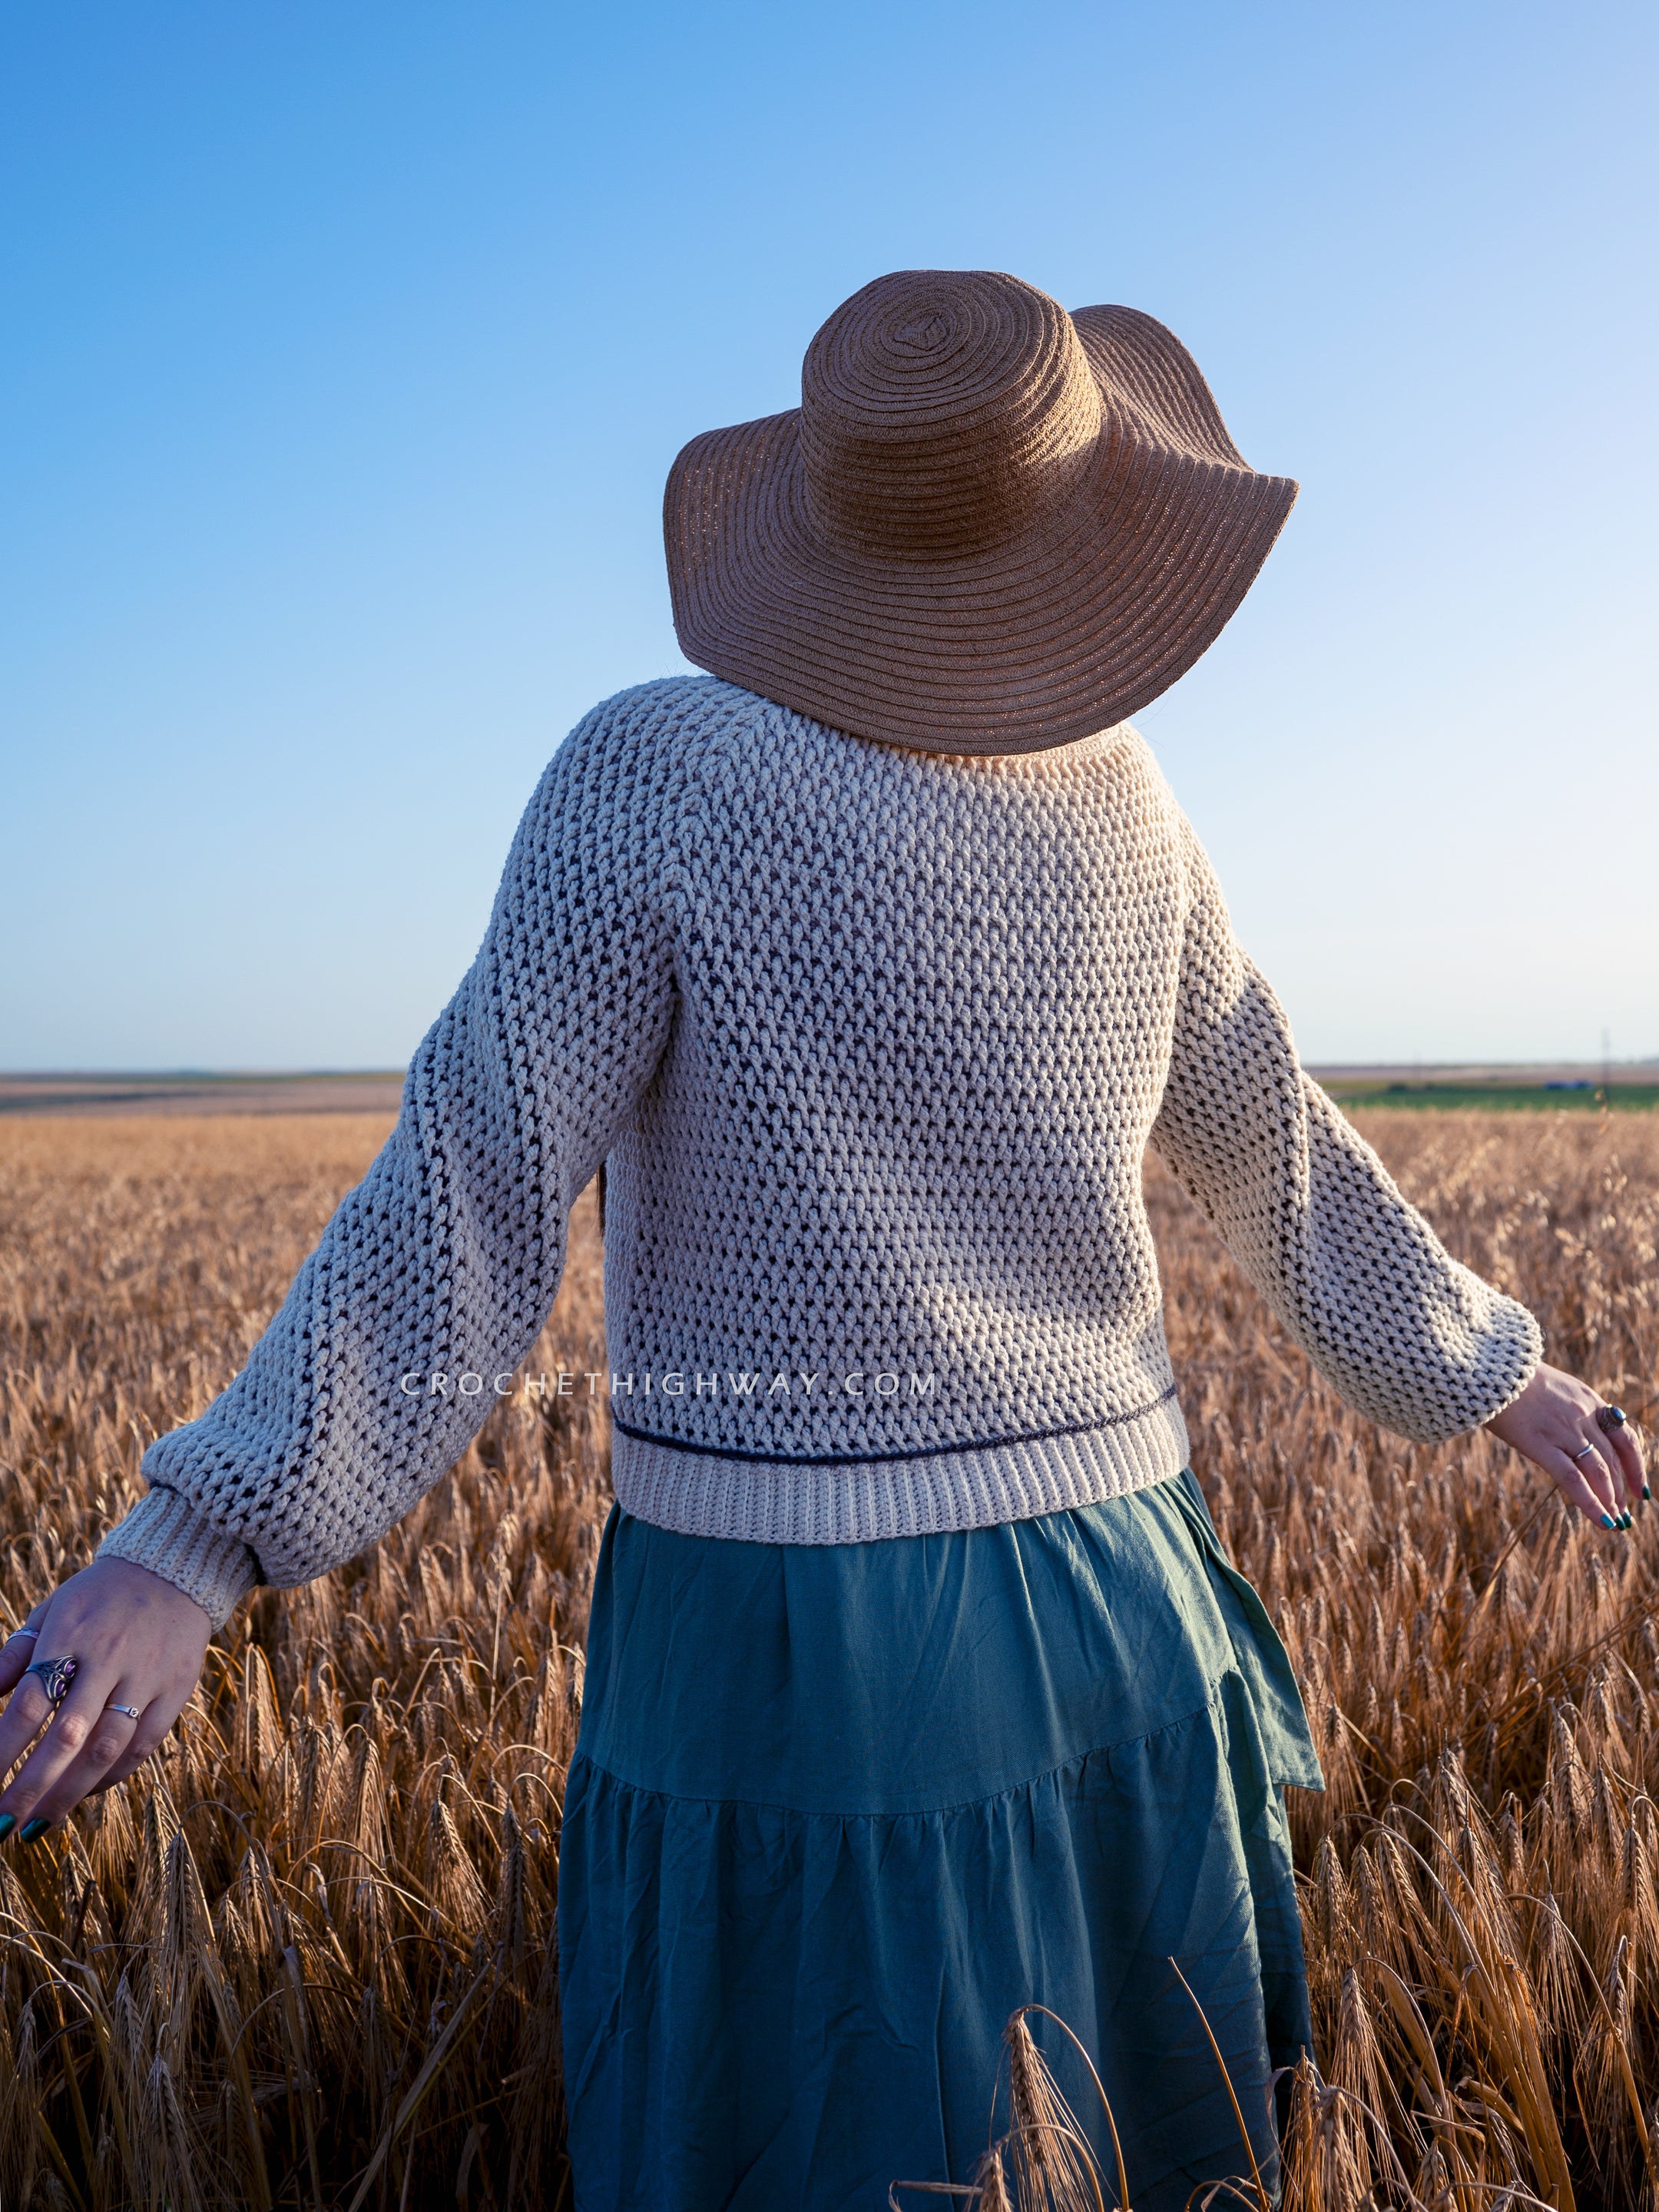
(388, 1073)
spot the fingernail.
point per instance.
(1629, 1518)
(7, 1822)
(31, 1829)
(1646, 1492)
(1608, 1521)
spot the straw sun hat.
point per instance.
(990, 527)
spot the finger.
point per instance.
(1573, 1486)
(28, 1706)
(1589, 1456)
(27, 1710)
(113, 1731)
(1628, 1451)
(1600, 1469)
(148, 1737)
(71, 1728)
(16, 1654)
(1614, 1460)
(20, 1645)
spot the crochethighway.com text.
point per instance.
(856, 1382)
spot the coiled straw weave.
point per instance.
(990, 526)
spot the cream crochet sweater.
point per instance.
(872, 1041)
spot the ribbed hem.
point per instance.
(175, 1540)
(795, 1502)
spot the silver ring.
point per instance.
(56, 1675)
(32, 1633)
(1585, 1454)
(114, 1706)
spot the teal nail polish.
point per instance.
(7, 1822)
(1646, 1492)
(1628, 1518)
(1608, 1521)
(31, 1829)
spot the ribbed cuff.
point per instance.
(1524, 1344)
(175, 1540)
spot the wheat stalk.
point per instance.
(307, 1958)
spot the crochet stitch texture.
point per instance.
(872, 1042)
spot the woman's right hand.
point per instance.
(1551, 1423)
(136, 1641)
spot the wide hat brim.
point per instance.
(1067, 628)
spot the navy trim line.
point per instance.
(867, 1459)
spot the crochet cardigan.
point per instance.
(872, 1042)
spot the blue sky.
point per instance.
(347, 348)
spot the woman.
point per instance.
(869, 965)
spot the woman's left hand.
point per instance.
(1551, 1422)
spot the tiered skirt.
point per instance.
(837, 1810)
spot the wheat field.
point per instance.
(305, 1961)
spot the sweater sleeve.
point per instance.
(1404, 1333)
(445, 1260)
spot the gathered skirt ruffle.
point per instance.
(837, 1810)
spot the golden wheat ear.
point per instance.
(1043, 2162)
(1054, 2167)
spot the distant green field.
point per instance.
(1503, 1097)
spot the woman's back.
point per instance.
(882, 1196)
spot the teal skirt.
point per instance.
(837, 1810)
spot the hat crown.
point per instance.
(942, 412)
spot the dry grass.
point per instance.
(312, 1966)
